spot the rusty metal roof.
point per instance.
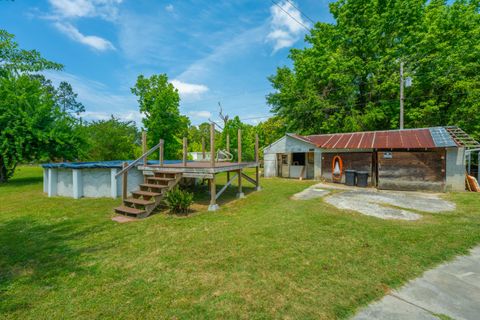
(393, 139)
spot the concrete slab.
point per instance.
(389, 205)
(310, 193)
(391, 308)
(451, 289)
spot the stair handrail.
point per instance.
(143, 156)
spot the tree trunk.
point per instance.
(3, 171)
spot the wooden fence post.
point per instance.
(124, 182)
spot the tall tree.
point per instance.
(348, 78)
(67, 99)
(159, 102)
(32, 127)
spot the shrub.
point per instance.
(178, 201)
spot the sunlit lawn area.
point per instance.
(264, 256)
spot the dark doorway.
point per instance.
(298, 159)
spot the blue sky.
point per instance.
(212, 51)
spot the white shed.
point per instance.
(292, 157)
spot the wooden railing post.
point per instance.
(212, 144)
(228, 150)
(239, 146)
(160, 153)
(124, 182)
(184, 152)
(257, 161)
(144, 146)
(203, 149)
(239, 156)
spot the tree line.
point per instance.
(40, 122)
(346, 79)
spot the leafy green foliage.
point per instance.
(111, 139)
(348, 78)
(248, 138)
(14, 60)
(270, 130)
(178, 200)
(159, 102)
(32, 125)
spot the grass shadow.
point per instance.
(20, 182)
(37, 255)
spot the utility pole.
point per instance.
(402, 98)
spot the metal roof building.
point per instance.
(409, 159)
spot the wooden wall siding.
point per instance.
(360, 161)
(412, 171)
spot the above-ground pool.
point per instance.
(90, 179)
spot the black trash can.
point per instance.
(350, 176)
(362, 179)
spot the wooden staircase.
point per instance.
(144, 201)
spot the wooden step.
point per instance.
(142, 202)
(153, 186)
(160, 179)
(129, 210)
(164, 175)
(146, 193)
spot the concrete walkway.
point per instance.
(450, 291)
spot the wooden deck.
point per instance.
(199, 169)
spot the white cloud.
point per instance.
(105, 9)
(285, 31)
(200, 114)
(64, 12)
(189, 90)
(93, 42)
(169, 7)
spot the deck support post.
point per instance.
(124, 182)
(184, 152)
(240, 193)
(203, 149)
(257, 169)
(213, 195)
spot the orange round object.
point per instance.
(337, 169)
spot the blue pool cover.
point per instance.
(99, 164)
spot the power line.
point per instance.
(293, 5)
(293, 18)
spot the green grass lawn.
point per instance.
(264, 256)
